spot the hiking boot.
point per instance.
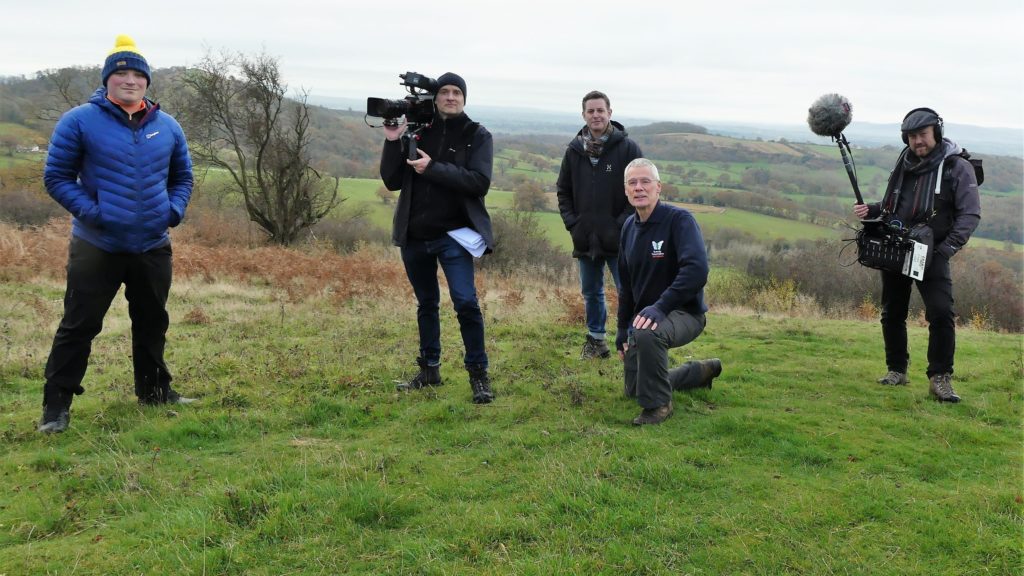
(941, 387)
(428, 376)
(894, 378)
(480, 382)
(653, 415)
(709, 370)
(56, 411)
(594, 348)
(163, 395)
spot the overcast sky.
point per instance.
(722, 60)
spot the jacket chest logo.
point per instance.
(151, 134)
(608, 167)
(656, 252)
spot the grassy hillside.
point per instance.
(300, 457)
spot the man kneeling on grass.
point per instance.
(663, 267)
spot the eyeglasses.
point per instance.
(645, 182)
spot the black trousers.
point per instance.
(936, 290)
(94, 277)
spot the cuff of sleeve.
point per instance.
(946, 251)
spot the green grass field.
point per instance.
(300, 458)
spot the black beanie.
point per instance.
(451, 78)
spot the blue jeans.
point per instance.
(421, 259)
(592, 287)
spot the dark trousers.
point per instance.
(94, 277)
(647, 376)
(936, 290)
(421, 259)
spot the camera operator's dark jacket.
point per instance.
(957, 208)
(450, 193)
(592, 199)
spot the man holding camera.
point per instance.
(934, 184)
(441, 204)
(663, 267)
(594, 207)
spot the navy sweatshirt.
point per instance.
(662, 262)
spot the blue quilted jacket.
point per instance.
(124, 185)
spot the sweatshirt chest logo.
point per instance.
(656, 252)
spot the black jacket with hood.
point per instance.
(462, 155)
(592, 199)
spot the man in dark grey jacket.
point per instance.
(594, 207)
(931, 183)
(440, 217)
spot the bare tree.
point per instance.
(70, 87)
(238, 119)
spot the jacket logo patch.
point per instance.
(608, 168)
(151, 134)
(656, 249)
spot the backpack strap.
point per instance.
(979, 170)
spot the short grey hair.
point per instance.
(642, 162)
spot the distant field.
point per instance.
(25, 136)
(726, 142)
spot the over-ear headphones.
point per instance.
(921, 124)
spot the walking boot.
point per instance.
(894, 378)
(56, 410)
(653, 415)
(154, 391)
(594, 348)
(480, 383)
(941, 387)
(427, 376)
(709, 370)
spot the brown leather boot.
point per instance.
(653, 415)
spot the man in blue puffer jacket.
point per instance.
(121, 167)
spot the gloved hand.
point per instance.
(649, 317)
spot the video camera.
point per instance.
(417, 107)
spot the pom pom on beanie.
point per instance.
(125, 56)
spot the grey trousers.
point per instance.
(648, 377)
